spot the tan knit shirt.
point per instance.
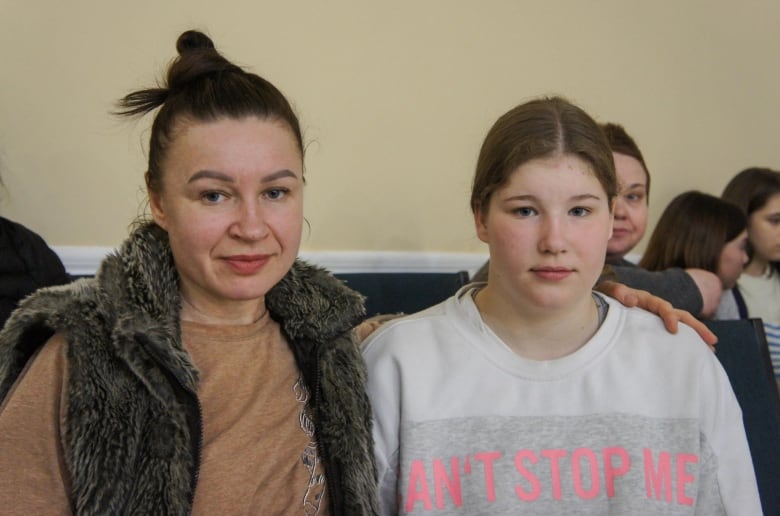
(259, 453)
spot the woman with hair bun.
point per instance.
(204, 370)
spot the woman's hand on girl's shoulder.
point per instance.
(662, 308)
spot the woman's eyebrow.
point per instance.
(220, 176)
(210, 174)
(279, 175)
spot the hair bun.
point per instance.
(193, 40)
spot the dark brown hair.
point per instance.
(541, 128)
(692, 232)
(202, 86)
(622, 143)
(751, 190)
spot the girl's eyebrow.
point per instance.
(580, 197)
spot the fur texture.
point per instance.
(133, 424)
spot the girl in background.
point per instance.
(532, 393)
(757, 192)
(702, 231)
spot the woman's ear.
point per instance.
(156, 205)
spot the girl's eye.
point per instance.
(579, 211)
(276, 193)
(524, 211)
(212, 197)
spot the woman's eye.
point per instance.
(212, 197)
(275, 193)
(634, 197)
(579, 211)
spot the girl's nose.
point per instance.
(551, 239)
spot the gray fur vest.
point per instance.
(133, 422)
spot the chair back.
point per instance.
(403, 292)
(744, 354)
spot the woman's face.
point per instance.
(547, 230)
(630, 207)
(764, 231)
(732, 261)
(232, 204)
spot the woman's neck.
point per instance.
(232, 314)
(539, 335)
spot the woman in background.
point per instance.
(702, 231)
(690, 288)
(757, 192)
(27, 263)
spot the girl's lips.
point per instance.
(246, 264)
(552, 273)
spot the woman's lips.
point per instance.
(246, 264)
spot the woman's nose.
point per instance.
(250, 223)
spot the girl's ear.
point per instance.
(480, 223)
(611, 216)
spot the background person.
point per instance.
(757, 192)
(27, 263)
(692, 289)
(698, 230)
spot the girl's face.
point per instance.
(732, 260)
(630, 207)
(547, 230)
(232, 204)
(764, 231)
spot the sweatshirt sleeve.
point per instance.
(32, 470)
(723, 432)
(673, 285)
(384, 392)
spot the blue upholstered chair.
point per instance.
(403, 292)
(744, 354)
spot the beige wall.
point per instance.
(395, 98)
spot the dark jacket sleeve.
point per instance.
(27, 263)
(673, 285)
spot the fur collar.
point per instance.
(136, 293)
